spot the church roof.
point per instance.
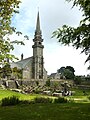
(22, 63)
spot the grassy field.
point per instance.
(67, 111)
(9, 93)
(78, 96)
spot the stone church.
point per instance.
(33, 67)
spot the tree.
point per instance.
(61, 70)
(17, 73)
(6, 71)
(68, 74)
(67, 71)
(77, 37)
(70, 68)
(7, 10)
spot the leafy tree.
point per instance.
(70, 68)
(61, 70)
(6, 71)
(7, 10)
(68, 74)
(78, 37)
(67, 71)
(17, 73)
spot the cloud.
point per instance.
(59, 56)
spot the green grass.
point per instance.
(9, 93)
(79, 96)
(68, 111)
(79, 92)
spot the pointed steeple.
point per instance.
(38, 31)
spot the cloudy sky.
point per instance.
(53, 14)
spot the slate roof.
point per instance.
(22, 63)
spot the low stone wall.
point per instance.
(8, 83)
(33, 82)
(62, 81)
(17, 83)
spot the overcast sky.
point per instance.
(53, 14)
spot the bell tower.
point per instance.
(38, 64)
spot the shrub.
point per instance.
(60, 100)
(10, 101)
(43, 100)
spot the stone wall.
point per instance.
(33, 82)
(17, 83)
(13, 84)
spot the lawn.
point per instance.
(78, 96)
(9, 93)
(67, 111)
(48, 111)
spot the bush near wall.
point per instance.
(9, 101)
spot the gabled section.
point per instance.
(22, 63)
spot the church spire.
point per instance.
(38, 34)
(38, 31)
(38, 64)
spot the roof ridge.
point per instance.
(24, 59)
